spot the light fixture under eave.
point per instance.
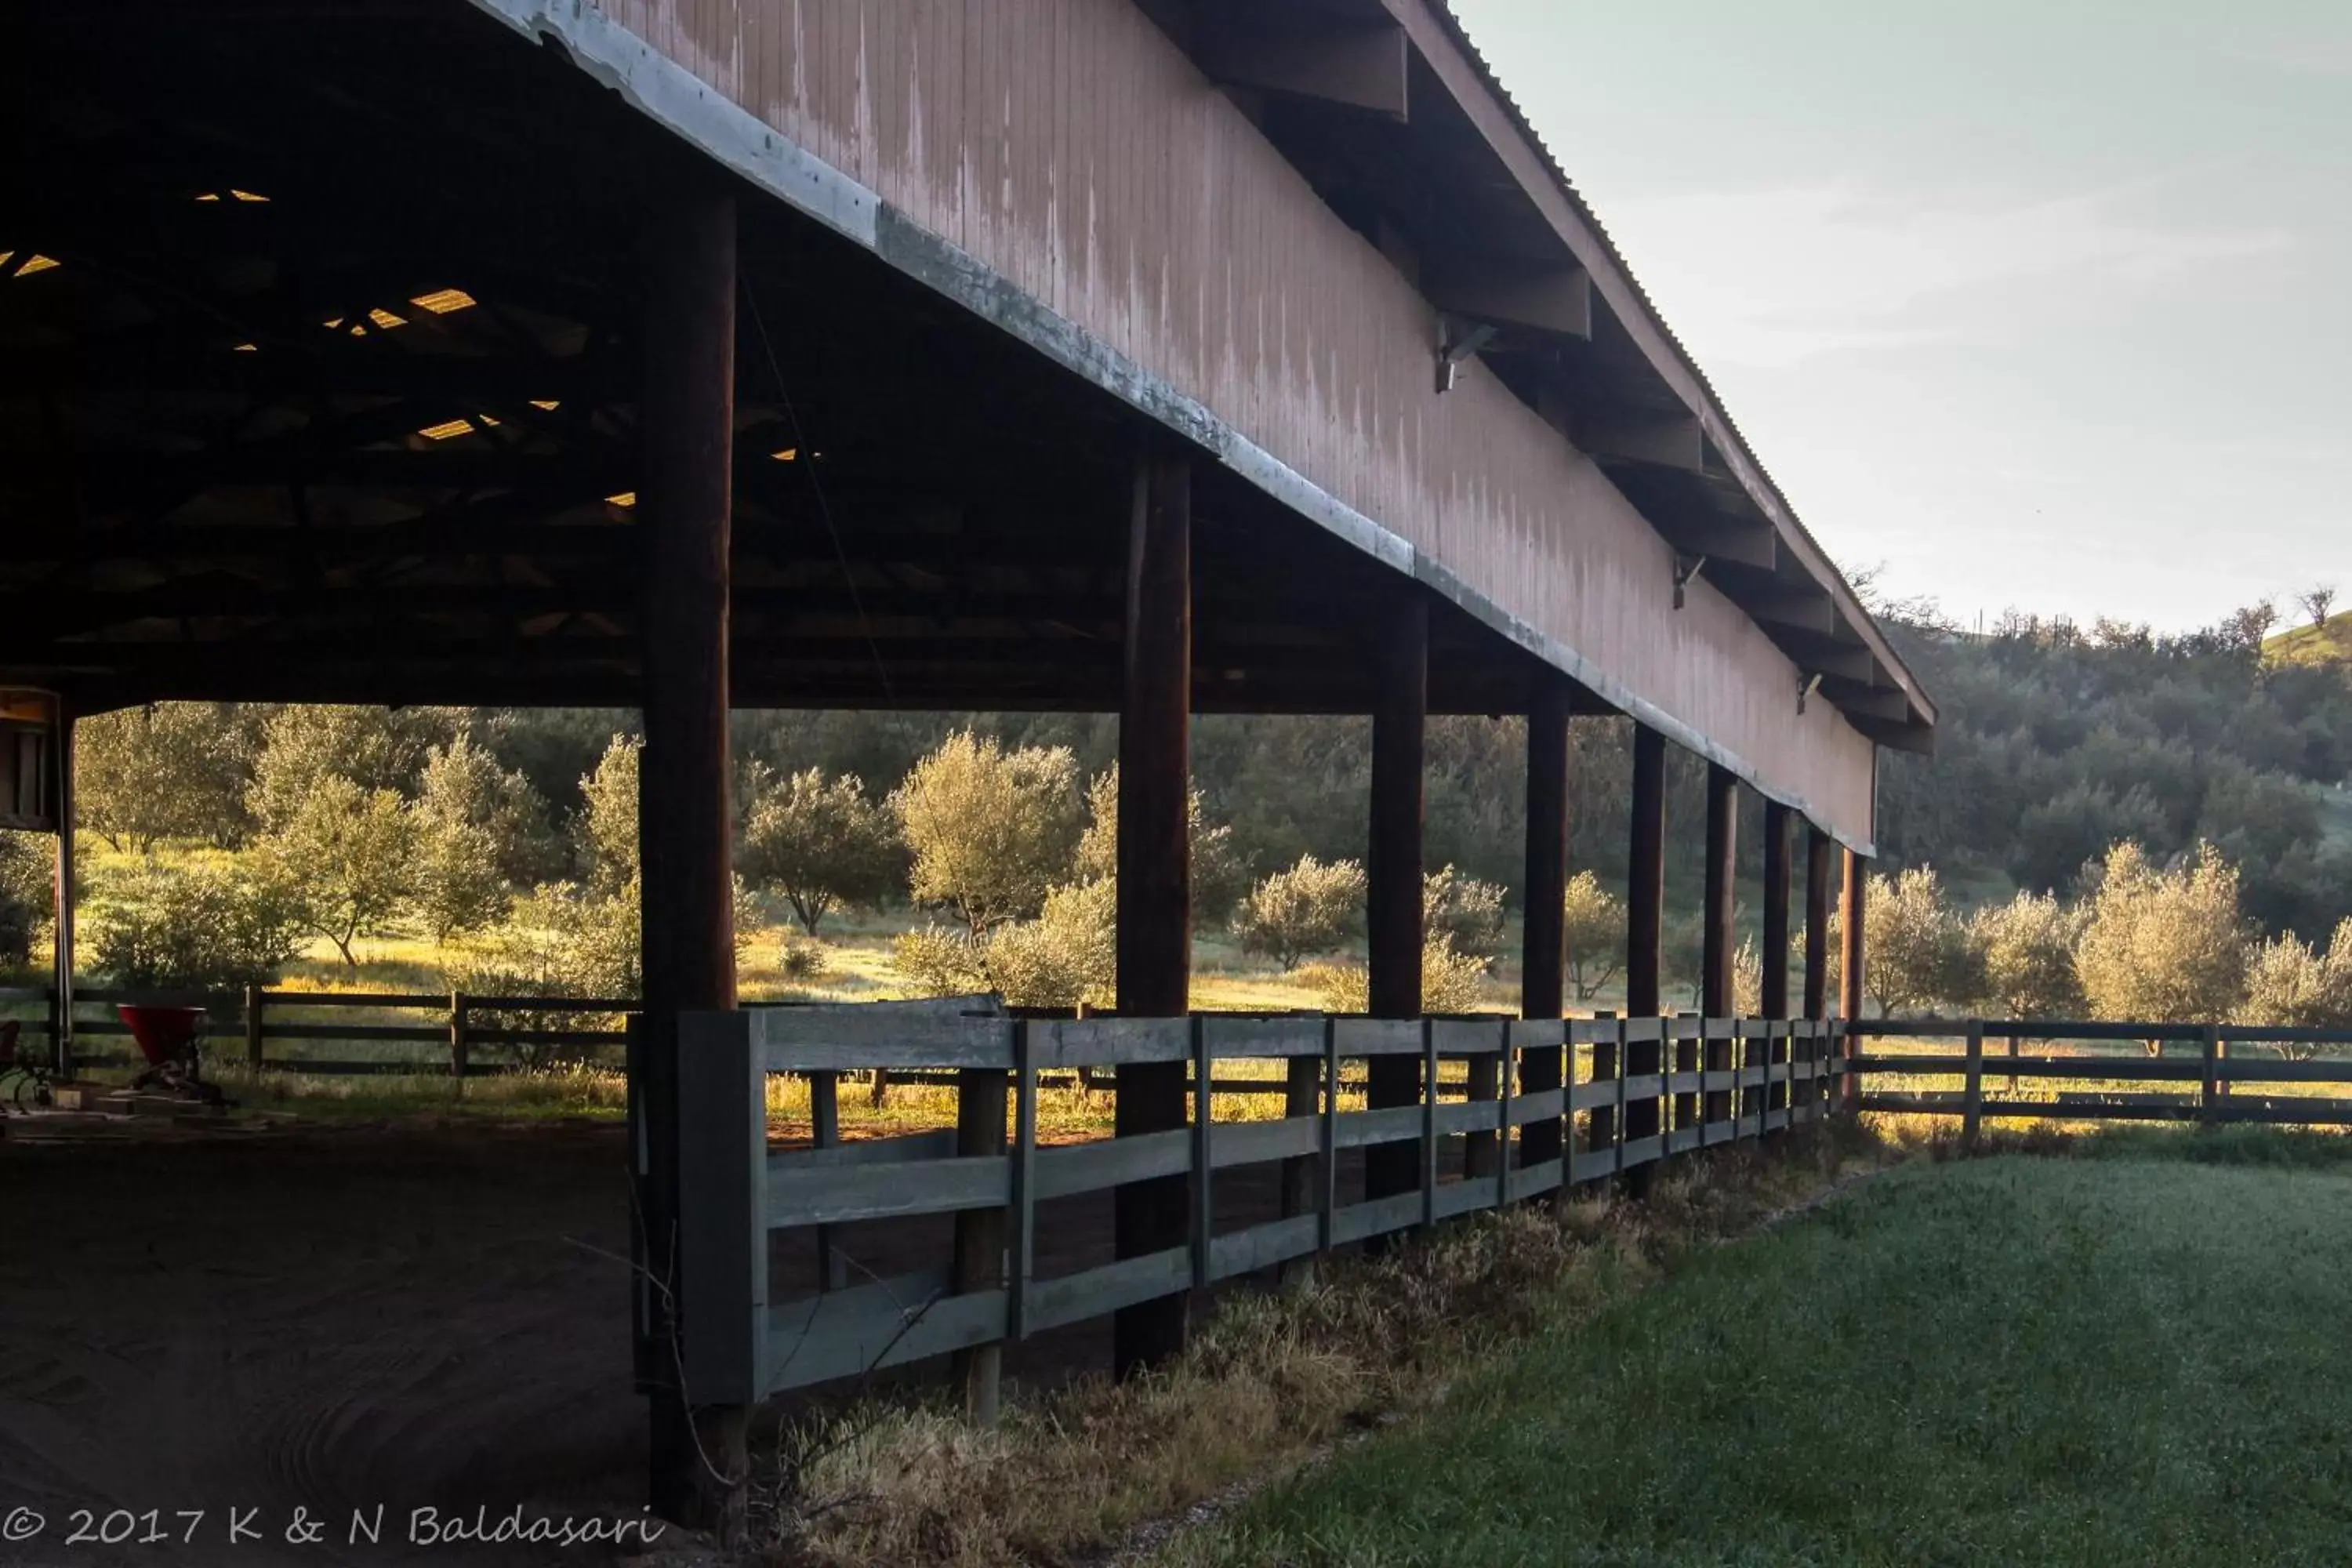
(248, 196)
(626, 497)
(546, 404)
(447, 430)
(386, 321)
(247, 349)
(785, 455)
(36, 263)
(441, 302)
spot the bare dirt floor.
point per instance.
(350, 1321)
(324, 1321)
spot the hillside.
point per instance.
(2329, 642)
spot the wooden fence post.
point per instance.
(980, 1233)
(2013, 1062)
(1972, 1096)
(1204, 1159)
(1478, 1151)
(1507, 1064)
(1428, 1122)
(1022, 1259)
(1600, 1123)
(460, 1047)
(1328, 1202)
(253, 1045)
(825, 1132)
(2210, 1085)
(1302, 1079)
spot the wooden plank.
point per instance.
(1457, 1037)
(1231, 1036)
(2153, 1068)
(835, 1197)
(906, 1148)
(1111, 1163)
(1594, 1166)
(1466, 1116)
(1361, 1128)
(1095, 1292)
(809, 1039)
(2269, 1035)
(1376, 1216)
(1377, 1037)
(1539, 1105)
(2231, 1069)
(1108, 1042)
(851, 1346)
(1251, 1143)
(1533, 1181)
(1542, 1034)
(1263, 1245)
(1448, 1199)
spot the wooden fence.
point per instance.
(2208, 1062)
(252, 1027)
(1715, 1082)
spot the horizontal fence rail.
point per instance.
(251, 1028)
(2198, 1069)
(1701, 1083)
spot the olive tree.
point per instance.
(1314, 907)
(199, 927)
(991, 831)
(2163, 943)
(1916, 947)
(481, 834)
(1595, 933)
(1451, 980)
(1218, 876)
(349, 856)
(1469, 912)
(821, 842)
(2292, 984)
(171, 769)
(605, 835)
(2026, 949)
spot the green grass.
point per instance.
(2135, 1358)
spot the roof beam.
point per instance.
(1547, 297)
(1658, 440)
(1716, 537)
(1307, 54)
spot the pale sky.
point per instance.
(2044, 304)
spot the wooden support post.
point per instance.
(1721, 934)
(1646, 900)
(254, 1048)
(1972, 1088)
(1155, 889)
(1301, 1096)
(979, 1235)
(1779, 821)
(1850, 976)
(61, 981)
(685, 421)
(1479, 1149)
(1543, 966)
(825, 1132)
(2209, 1088)
(1820, 873)
(1021, 1254)
(460, 1047)
(1608, 1066)
(1393, 876)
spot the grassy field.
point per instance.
(2127, 1359)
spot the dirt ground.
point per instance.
(360, 1318)
(329, 1320)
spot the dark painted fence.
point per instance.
(1717, 1081)
(253, 1027)
(2204, 1070)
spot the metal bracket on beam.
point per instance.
(1685, 568)
(1457, 340)
(1807, 684)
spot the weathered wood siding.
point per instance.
(1071, 147)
